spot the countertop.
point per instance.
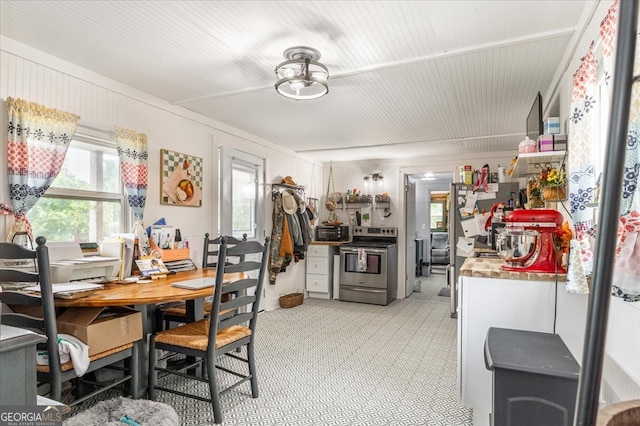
(490, 268)
(329, 243)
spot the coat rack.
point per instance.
(277, 188)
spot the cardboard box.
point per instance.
(559, 142)
(546, 143)
(552, 126)
(102, 328)
(466, 174)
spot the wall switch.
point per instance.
(424, 226)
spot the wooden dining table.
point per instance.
(144, 297)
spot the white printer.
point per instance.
(69, 264)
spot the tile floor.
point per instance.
(328, 362)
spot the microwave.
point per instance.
(332, 233)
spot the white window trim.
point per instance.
(229, 156)
(79, 194)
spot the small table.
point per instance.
(18, 383)
(535, 378)
(144, 297)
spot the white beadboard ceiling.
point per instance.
(407, 78)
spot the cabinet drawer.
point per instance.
(317, 283)
(317, 265)
(316, 250)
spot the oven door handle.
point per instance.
(367, 250)
(367, 289)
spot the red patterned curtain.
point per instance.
(581, 168)
(133, 152)
(38, 139)
(626, 280)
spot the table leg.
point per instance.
(195, 310)
(148, 324)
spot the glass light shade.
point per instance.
(301, 77)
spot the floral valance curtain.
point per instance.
(37, 142)
(134, 155)
(626, 280)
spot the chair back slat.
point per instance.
(235, 320)
(239, 285)
(48, 320)
(19, 298)
(210, 253)
(18, 276)
(11, 251)
(24, 321)
(243, 266)
(238, 302)
(245, 293)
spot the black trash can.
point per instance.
(535, 378)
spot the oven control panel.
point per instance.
(375, 231)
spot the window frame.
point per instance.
(92, 195)
(228, 158)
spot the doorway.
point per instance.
(430, 214)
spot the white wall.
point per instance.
(38, 77)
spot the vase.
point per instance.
(535, 202)
(553, 193)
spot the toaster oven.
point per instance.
(332, 233)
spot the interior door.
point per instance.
(410, 237)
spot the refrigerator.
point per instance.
(506, 193)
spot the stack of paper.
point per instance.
(69, 289)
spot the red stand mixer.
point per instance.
(527, 243)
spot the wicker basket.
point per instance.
(291, 300)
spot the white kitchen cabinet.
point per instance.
(492, 302)
(320, 263)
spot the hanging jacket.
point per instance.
(275, 260)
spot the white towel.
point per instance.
(69, 348)
(362, 259)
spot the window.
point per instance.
(86, 201)
(438, 220)
(241, 183)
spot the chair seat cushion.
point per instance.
(69, 365)
(195, 335)
(181, 310)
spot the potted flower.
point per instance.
(534, 194)
(553, 182)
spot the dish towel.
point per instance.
(70, 348)
(362, 259)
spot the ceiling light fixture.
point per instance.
(301, 76)
(376, 177)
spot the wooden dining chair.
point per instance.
(177, 312)
(208, 339)
(37, 312)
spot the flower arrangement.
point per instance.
(562, 237)
(552, 181)
(550, 176)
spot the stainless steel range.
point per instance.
(369, 266)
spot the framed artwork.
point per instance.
(181, 179)
(312, 203)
